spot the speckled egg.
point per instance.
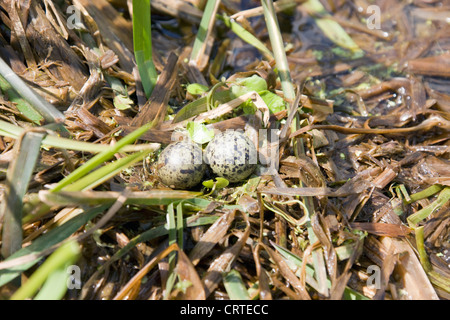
(231, 155)
(180, 165)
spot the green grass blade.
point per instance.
(101, 158)
(423, 257)
(173, 233)
(422, 214)
(91, 198)
(105, 173)
(48, 111)
(235, 287)
(180, 224)
(278, 49)
(331, 28)
(142, 42)
(45, 242)
(11, 131)
(68, 253)
(171, 224)
(55, 287)
(205, 28)
(295, 263)
(242, 33)
(428, 192)
(23, 106)
(18, 177)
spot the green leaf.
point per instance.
(206, 25)
(106, 172)
(274, 102)
(101, 157)
(196, 89)
(208, 184)
(220, 183)
(245, 85)
(19, 174)
(199, 133)
(122, 102)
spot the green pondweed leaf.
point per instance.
(199, 133)
(208, 184)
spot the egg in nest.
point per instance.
(231, 155)
(180, 165)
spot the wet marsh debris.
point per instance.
(350, 199)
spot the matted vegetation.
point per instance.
(348, 108)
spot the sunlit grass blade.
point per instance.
(68, 253)
(423, 257)
(428, 192)
(18, 176)
(146, 198)
(235, 287)
(180, 224)
(205, 29)
(48, 111)
(14, 265)
(242, 33)
(12, 131)
(106, 172)
(101, 158)
(278, 49)
(55, 287)
(331, 28)
(423, 213)
(142, 41)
